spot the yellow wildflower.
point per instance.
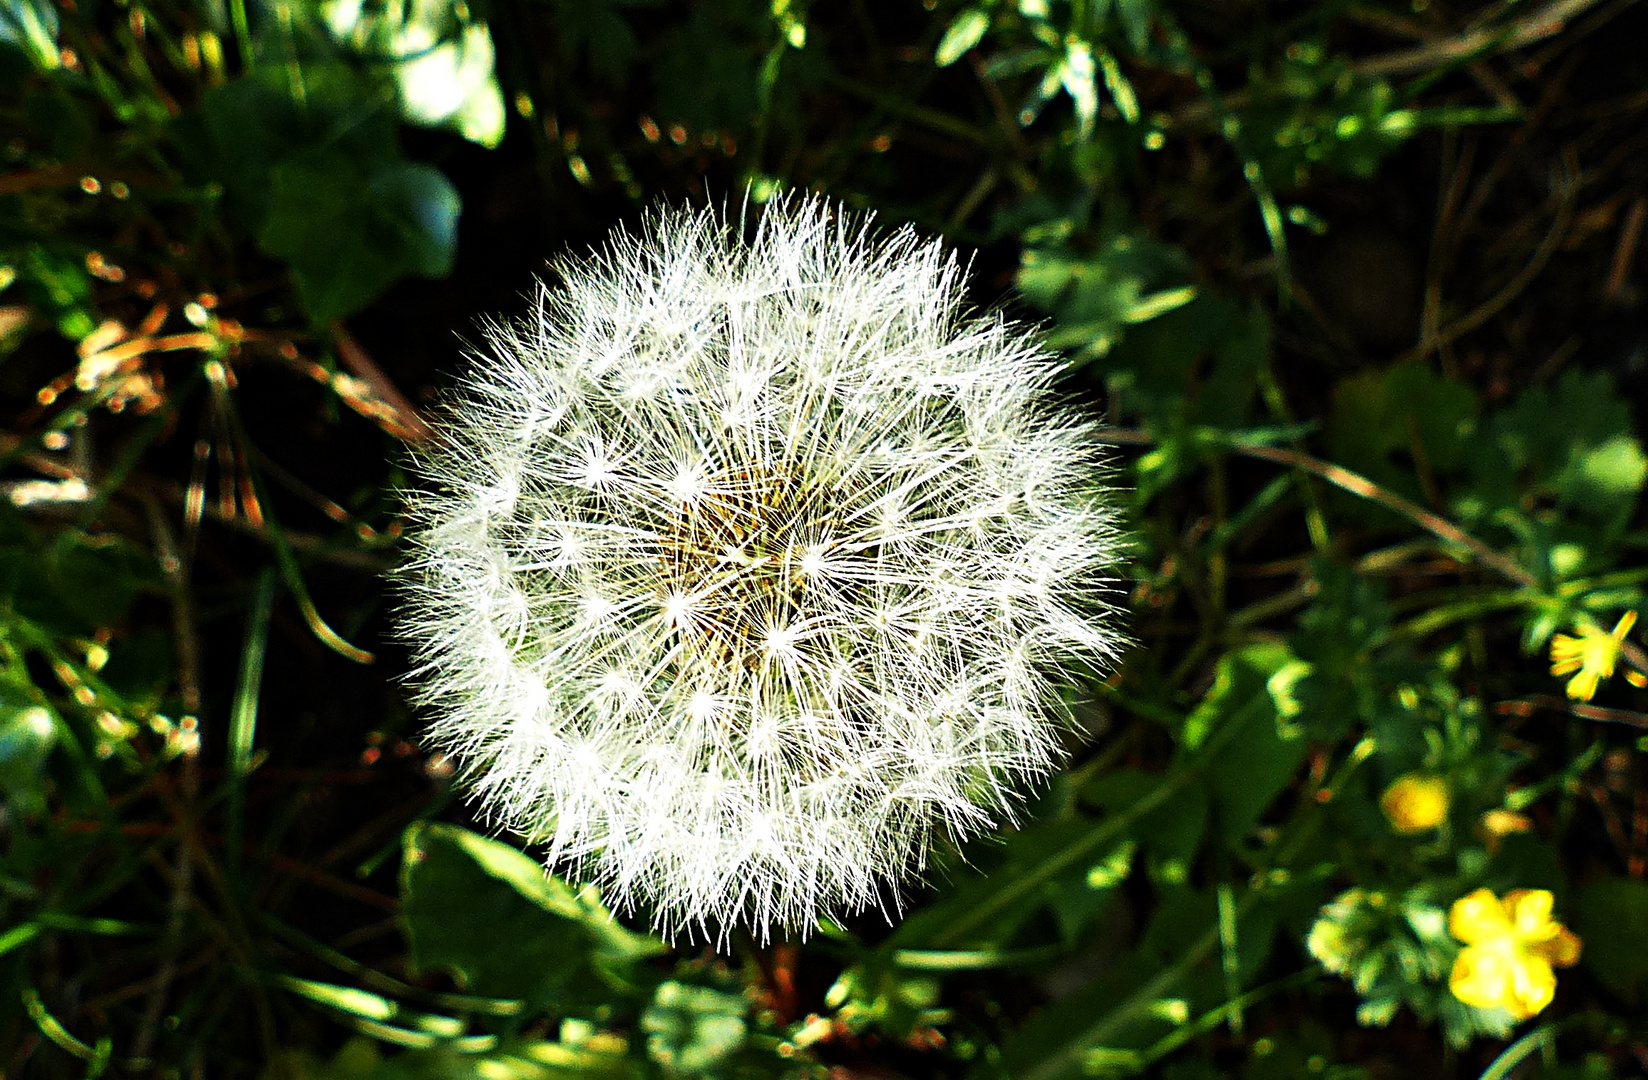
(1510, 948)
(1498, 824)
(1593, 655)
(1415, 803)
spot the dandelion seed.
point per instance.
(746, 570)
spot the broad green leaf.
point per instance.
(74, 583)
(1339, 636)
(140, 666)
(595, 29)
(1058, 1042)
(1057, 854)
(1575, 441)
(709, 80)
(1610, 472)
(1611, 917)
(1548, 426)
(1389, 423)
(1172, 832)
(1077, 901)
(99, 577)
(1251, 769)
(246, 128)
(492, 916)
(1196, 363)
(934, 925)
(1066, 867)
(350, 229)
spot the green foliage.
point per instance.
(693, 1030)
(323, 185)
(439, 56)
(57, 283)
(1317, 112)
(1575, 443)
(709, 81)
(28, 728)
(599, 33)
(1351, 561)
(349, 233)
(30, 27)
(1615, 910)
(1384, 422)
(1396, 952)
(1095, 289)
(525, 1059)
(485, 912)
(525, 946)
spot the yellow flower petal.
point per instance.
(1498, 823)
(1533, 985)
(1563, 948)
(1415, 803)
(1529, 910)
(1583, 687)
(1623, 627)
(1482, 977)
(1478, 918)
(1511, 947)
(1593, 655)
(1566, 654)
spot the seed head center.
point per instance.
(740, 563)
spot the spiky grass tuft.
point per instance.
(744, 568)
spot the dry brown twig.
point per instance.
(1359, 485)
(1567, 190)
(375, 395)
(1535, 26)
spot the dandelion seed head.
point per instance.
(746, 570)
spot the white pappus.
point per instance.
(744, 568)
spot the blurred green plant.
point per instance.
(1354, 571)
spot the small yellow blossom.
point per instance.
(1511, 946)
(1593, 655)
(1415, 803)
(1498, 824)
